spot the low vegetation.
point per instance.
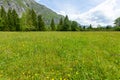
(59, 56)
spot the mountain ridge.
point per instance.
(22, 5)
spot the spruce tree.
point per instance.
(60, 24)
(34, 19)
(10, 20)
(3, 19)
(66, 24)
(29, 21)
(40, 23)
(23, 22)
(13, 17)
(52, 25)
(16, 21)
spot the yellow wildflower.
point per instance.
(60, 78)
(52, 79)
(77, 73)
(47, 77)
(68, 75)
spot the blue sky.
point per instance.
(86, 12)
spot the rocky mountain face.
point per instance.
(22, 5)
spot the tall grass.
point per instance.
(59, 55)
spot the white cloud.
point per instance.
(103, 14)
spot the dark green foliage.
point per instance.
(23, 22)
(66, 24)
(60, 24)
(13, 22)
(34, 18)
(117, 28)
(9, 20)
(41, 24)
(74, 26)
(80, 27)
(16, 21)
(1, 25)
(84, 28)
(29, 21)
(109, 27)
(3, 19)
(117, 24)
(52, 25)
(22, 6)
(89, 27)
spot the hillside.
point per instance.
(22, 5)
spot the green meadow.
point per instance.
(59, 55)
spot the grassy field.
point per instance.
(59, 55)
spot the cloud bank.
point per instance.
(94, 12)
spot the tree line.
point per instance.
(30, 21)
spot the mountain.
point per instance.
(22, 5)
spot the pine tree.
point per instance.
(60, 24)
(40, 23)
(9, 20)
(16, 21)
(28, 20)
(26, 23)
(34, 19)
(23, 21)
(66, 24)
(3, 19)
(52, 25)
(13, 17)
(31, 20)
